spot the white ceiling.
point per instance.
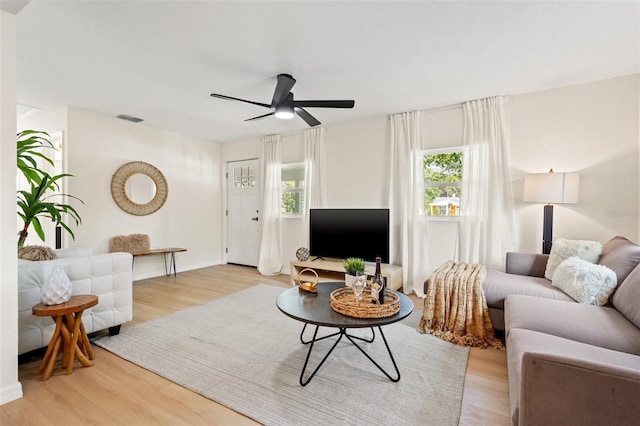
(160, 60)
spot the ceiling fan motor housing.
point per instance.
(286, 107)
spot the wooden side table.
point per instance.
(69, 335)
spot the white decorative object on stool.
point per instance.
(57, 289)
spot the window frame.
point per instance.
(436, 151)
(296, 190)
(243, 180)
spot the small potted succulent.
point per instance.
(354, 267)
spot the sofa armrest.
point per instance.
(531, 264)
(107, 275)
(560, 390)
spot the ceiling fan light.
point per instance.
(284, 112)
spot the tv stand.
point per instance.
(332, 270)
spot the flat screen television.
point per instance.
(343, 233)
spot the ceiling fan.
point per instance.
(285, 107)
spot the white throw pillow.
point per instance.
(563, 249)
(584, 281)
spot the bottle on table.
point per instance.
(378, 282)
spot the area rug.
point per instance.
(242, 352)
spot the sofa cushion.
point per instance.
(595, 325)
(620, 255)
(627, 297)
(563, 249)
(530, 264)
(498, 285)
(567, 395)
(74, 252)
(584, 281)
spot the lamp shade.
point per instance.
(556, 188)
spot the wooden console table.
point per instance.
(69, 336)
(332, 270)
(164, 252)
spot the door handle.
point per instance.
(255, 218)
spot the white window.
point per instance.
(244, 177)
(443, 181)
(292, 189)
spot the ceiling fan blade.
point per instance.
(259, 117)
(325, 104)
(241, 100)
(310, 119)
(283, 87)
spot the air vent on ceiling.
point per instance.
(129, 118)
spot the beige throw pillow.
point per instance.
(36, 253)
(584, 281)
(134, 243)
(563, 249)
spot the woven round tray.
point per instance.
(344, 302)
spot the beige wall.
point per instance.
(95, 146)
(590, 128)
(10, 388)
(356, 172)
(190, 218)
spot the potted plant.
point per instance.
(39, 200)
(30, 143)
(354, 267)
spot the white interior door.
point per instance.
(243, 238)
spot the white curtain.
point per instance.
(406, 201)
(270, 257)
(487, 224)
(315, 182)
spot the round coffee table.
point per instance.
(315, 309)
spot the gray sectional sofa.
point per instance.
(570, 363)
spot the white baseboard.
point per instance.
(160, 273)
(10, 393)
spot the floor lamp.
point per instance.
(551, 188)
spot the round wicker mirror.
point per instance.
(119, 188)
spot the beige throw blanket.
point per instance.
(455, 308)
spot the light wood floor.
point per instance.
(115, 391)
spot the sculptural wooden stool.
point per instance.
(69, 336)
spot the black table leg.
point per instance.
(168, 266)
(304, 382)
(373, 337)
(314, 336)
(167, 272)
(351, 338)
(395, 366)
(173, 262)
